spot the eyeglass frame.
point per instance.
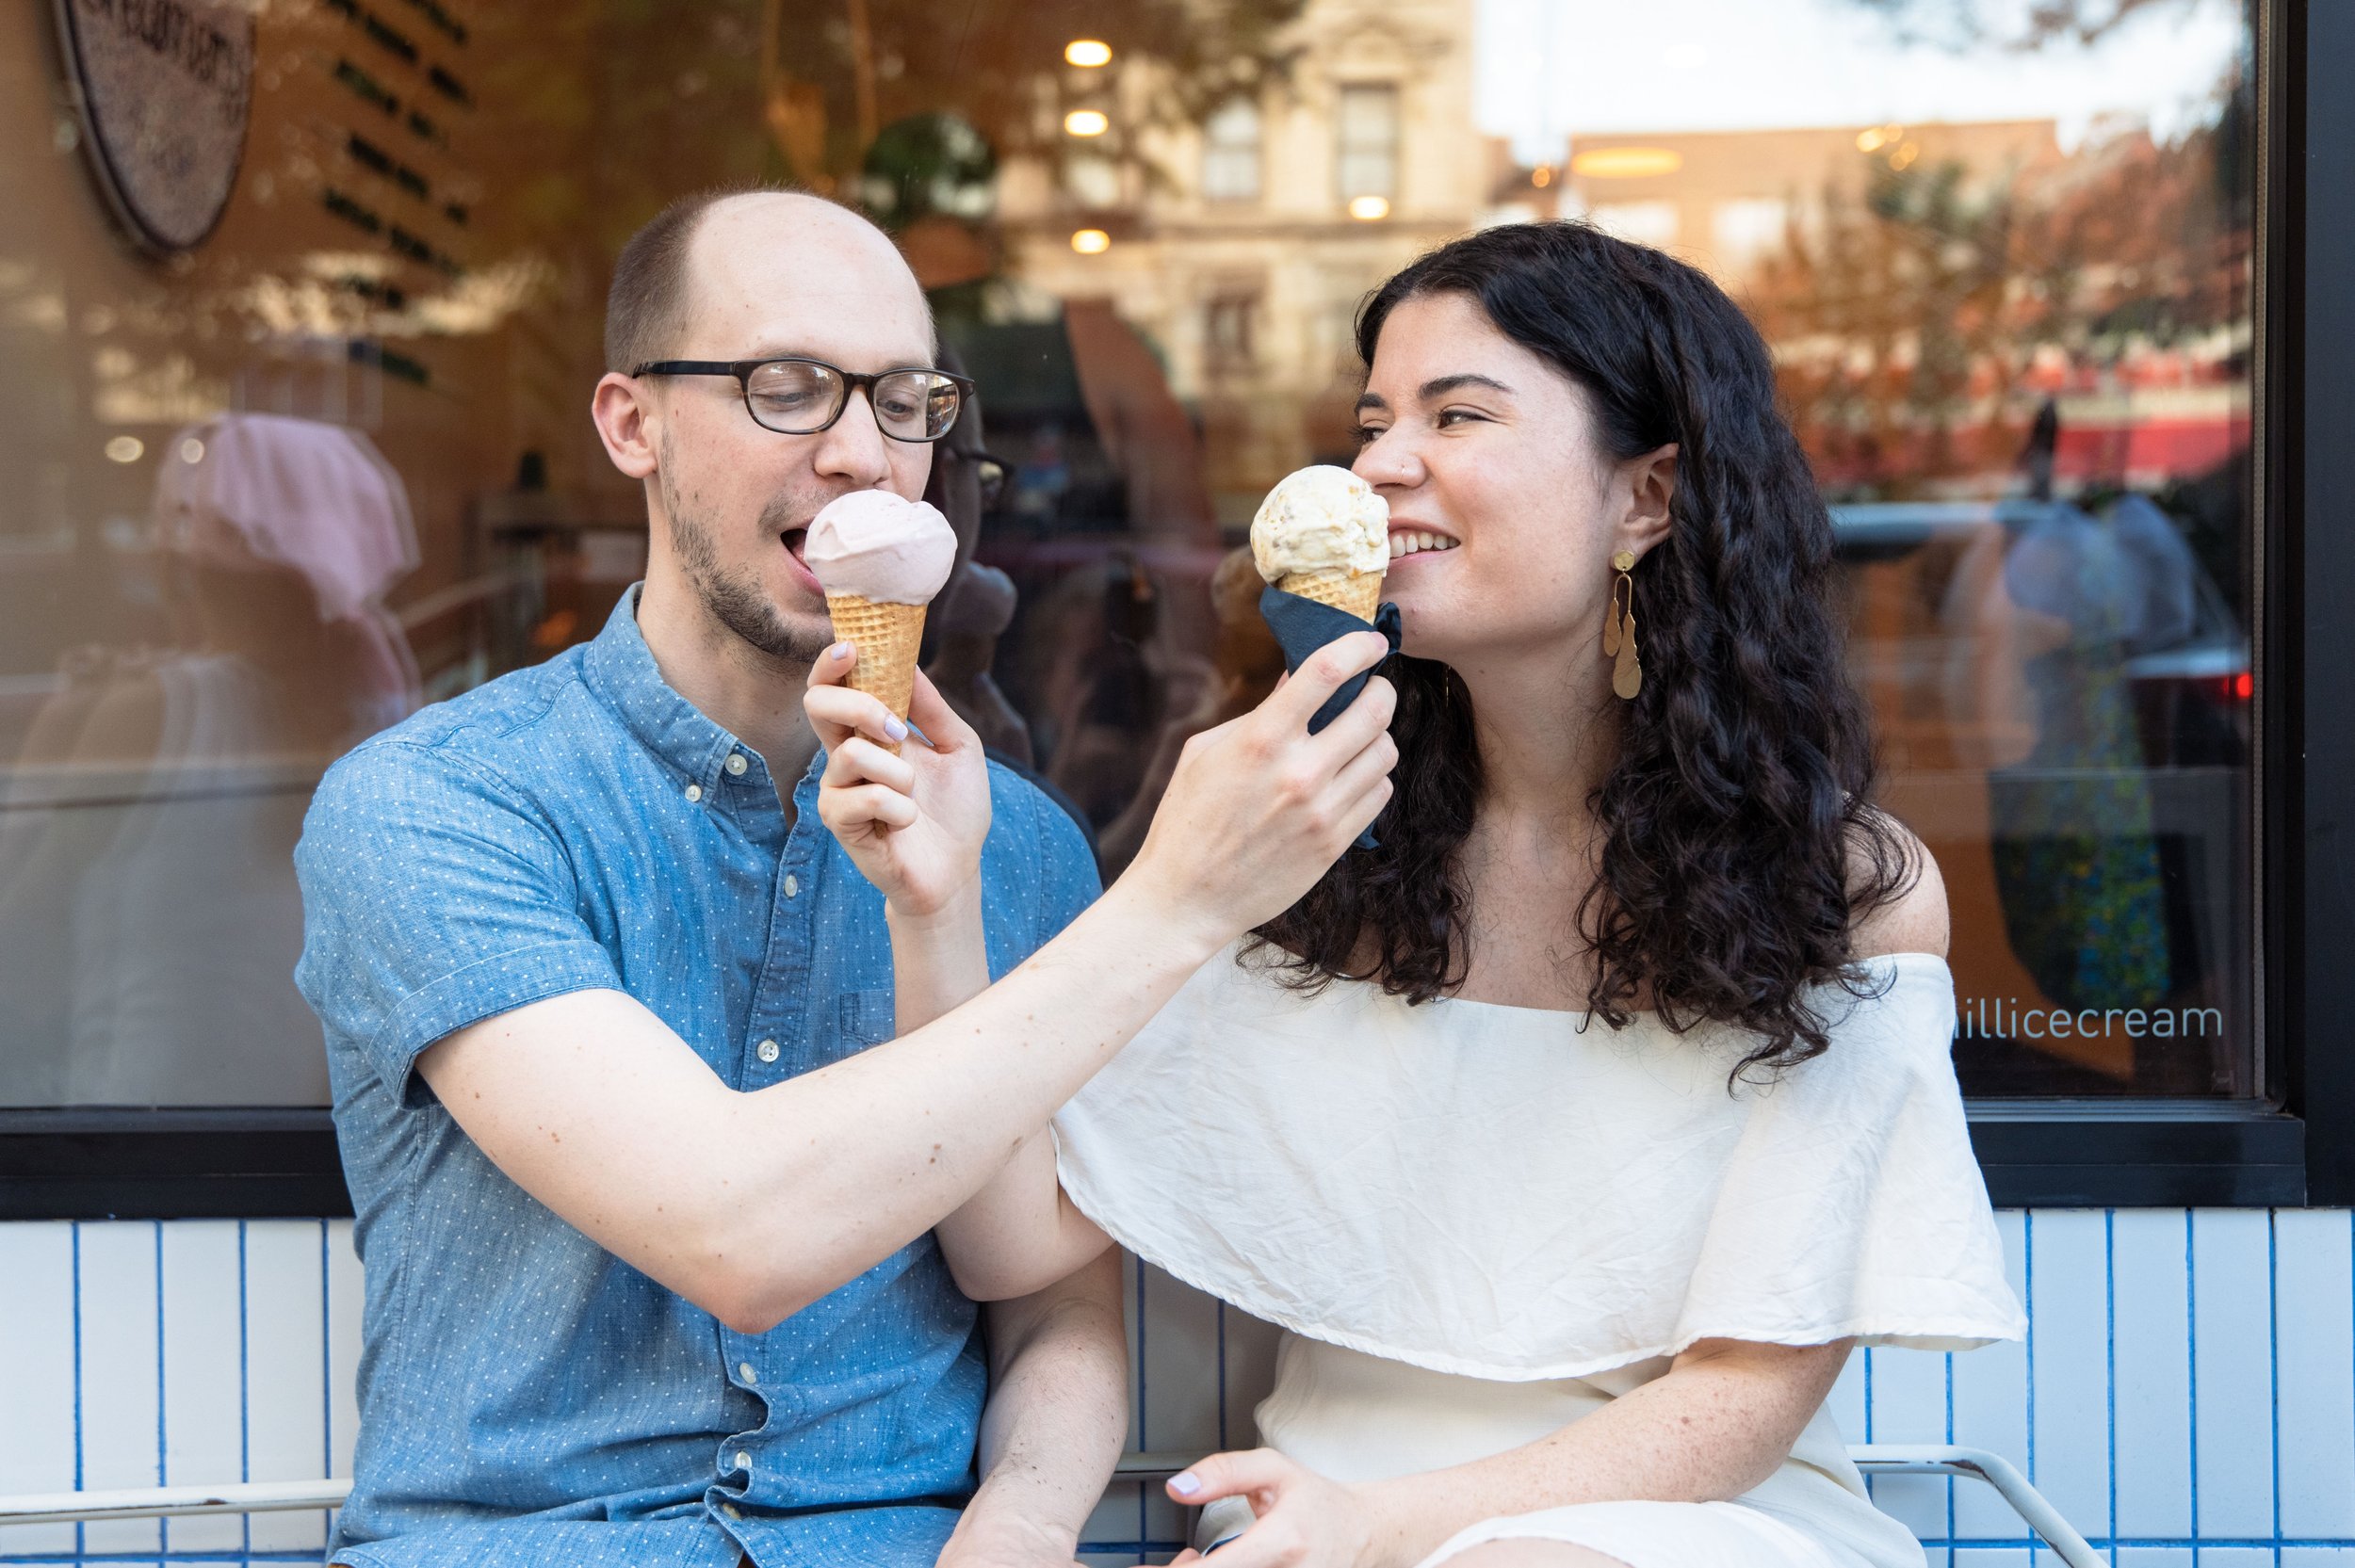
(852, 382)
(982, 459)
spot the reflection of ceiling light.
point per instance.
(1090, 242)
(1903, 157)
(125, 449)
(1369, 209)
(191, 450)
(1086, 122)
(1088, 52)
(1626, 163)
(1541, 176)
(1877, 136)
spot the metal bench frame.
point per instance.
(1879, 1459)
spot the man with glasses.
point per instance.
(581, 947)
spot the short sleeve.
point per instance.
(433, 898)
(1068, 882)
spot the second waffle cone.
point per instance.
(1357, 592)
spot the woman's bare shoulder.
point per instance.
(1913, 918)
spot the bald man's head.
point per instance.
(650, 303)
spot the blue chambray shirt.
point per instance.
(526, 1398)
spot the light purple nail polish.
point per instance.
(895, 730)
(839, 651)
(1185, 1484)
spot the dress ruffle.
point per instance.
(1512, 1194)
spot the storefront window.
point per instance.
(283, 472)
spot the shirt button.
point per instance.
(737, 764)
(743, 1460)
(732, 1511)
(766, 1050)
(694, 793)
(744, 1370)
(793, 885)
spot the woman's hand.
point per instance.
(1258, 808)
(1300, 1519)
(913, 822)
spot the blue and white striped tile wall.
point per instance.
(2186, 1395)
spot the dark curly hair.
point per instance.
(1740, 842)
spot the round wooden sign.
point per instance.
(163, 88)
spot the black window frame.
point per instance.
(2296, 1146)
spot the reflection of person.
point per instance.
(646, 1225)
(977, 607)
(2057, 599)
(1578, 1128)
(151, 914)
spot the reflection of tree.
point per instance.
(851, 66)
(1919, 319)
(1968, 22)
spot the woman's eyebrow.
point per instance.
(1439, 386)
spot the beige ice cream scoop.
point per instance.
(1324, 534)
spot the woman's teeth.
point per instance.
(1415, 543)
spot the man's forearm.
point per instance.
(1058, 1415)
(598, 1109)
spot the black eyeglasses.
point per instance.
(989, 470)
(795, 397)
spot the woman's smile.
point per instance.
(1409, 540)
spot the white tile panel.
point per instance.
(1992, 1403)
(1178, 1380)
(2314, 1318)
(1248, 1365)
(121, 1416)
(2235, 1557)
(1991, 1557)
(2151, 1250)
(2153, 1557)
(285, 1393)
(1847, 1400)
(203, 1340)
(1165, 1419)
(37, 1436)
(2231, 1390)
(2318, 1557)
(2069, 1283)
(1909, 1405)
(344, 1292)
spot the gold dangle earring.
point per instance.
(1619, 630)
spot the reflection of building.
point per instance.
(1248, 274)
(1726, 200)
(1927, 286)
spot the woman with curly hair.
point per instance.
(1578, 1127)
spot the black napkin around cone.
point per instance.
(1304, 625)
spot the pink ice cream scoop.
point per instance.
(873, 545)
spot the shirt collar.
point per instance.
(620, 669)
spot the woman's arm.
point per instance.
(1715, 1425)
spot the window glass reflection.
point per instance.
(268, 497)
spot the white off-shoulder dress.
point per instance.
(1480, 1223)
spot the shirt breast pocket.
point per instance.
(863, 1018)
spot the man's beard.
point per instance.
(734, 597)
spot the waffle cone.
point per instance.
(887, 636)
(1357, 592)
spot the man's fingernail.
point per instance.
(839, 651)
(895, 730)
(1185, 1484)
